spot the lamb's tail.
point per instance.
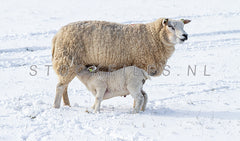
(145, 74)
(53, 45)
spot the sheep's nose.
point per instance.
(185, 36)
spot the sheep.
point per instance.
(122, 82)
(146, 46)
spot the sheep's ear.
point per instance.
(185, 21)
(165, 22)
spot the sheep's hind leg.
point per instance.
(134, 104)
(93, 107)
(59, 93)
(61, 90)
(65, 97)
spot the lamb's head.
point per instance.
(87, 70)
(173, 32)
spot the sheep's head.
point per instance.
(173, 31)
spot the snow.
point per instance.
(181, 106)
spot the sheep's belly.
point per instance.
(110, 94)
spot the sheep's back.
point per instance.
(102, 43)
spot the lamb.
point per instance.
(146, 46)
(125, 81)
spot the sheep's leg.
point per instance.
(59, 93)
(99, 97)
(65, 97)
(145, 100)
(134, 104)
(93, 107)
(61, 90)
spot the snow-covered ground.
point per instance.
(181, 106)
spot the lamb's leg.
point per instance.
(145, 100)
(99, 97)
(137, 96)
(145, 96)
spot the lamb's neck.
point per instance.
(84, 76)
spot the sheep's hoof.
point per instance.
(67, 105)
(96, 112)
(87, 111)
(56, 106)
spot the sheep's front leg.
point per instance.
(59, 94)
(93, 107)
(99, 97)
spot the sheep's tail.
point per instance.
(53, 46)
(145, 74)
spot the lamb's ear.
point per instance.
(165, 22)
(92, 69)
(185, 21)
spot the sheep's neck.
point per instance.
(160, 51)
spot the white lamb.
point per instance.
(122, 82)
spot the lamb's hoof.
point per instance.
(135, 111)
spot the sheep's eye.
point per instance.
(171, 27)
